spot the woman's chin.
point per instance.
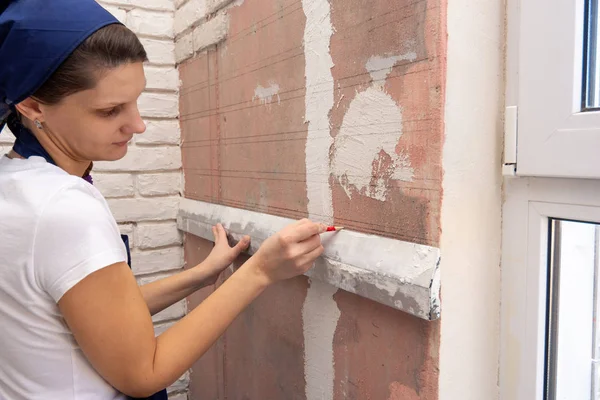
(115, 153)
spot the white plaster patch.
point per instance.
(365, 158)
(436, 283)
(380, 67)
(318, 102)
(320, 315)
(266, 94)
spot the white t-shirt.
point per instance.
(55, 229)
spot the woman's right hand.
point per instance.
(290, 252)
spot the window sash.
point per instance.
(555, 136)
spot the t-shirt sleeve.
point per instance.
(76, 235)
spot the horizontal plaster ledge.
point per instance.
(399, 274)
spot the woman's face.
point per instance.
(97, 124)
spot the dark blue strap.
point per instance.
(27, 145)
(125, 239)
(162, 395)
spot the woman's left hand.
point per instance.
(222, 254)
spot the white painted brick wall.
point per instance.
(159, 105)
(215, 5)
(161, 5)
(115, 185)
(6, 136)
(159, 184)
(200, 24)
(179, 396)
(129, 230)
(160, 52)
(6, 140)
(153, 261)
(160, 132)
(184, 47)
(211, 32)
(153, 235)
(151, 23)
(119, 13)
(179, 3)
(166, 158)
(136, 209)
(163, 78)
(190, 13)
(181, 384)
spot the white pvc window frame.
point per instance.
(531, 203)
(555, 138)
(572, 334)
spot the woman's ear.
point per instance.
(30, 109)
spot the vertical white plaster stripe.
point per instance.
(320, 313)
(320, 316)
(318, 102)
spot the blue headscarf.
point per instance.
(36, 37)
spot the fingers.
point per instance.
(302, 231)
(242, 244)
(308, 251)
(222, 232)
(308, 245)
(307, 260)
(301, 222)
(219, 233)
(215, 234)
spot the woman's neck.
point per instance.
(61, 158)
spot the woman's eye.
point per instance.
(110, 113)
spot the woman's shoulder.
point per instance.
(36, 183)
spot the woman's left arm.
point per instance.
(165, 292)
(168, 291)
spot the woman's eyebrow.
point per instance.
(109, 105)
(115, 103)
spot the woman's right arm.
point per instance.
(110, 320)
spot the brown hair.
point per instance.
(107, 48)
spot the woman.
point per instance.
(74, 323)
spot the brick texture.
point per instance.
(151, 23)
(159, 5)
(199, 24)
(188, 14)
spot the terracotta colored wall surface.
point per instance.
(243, 109)
(408, 30)
(379, 352)
(237, 150)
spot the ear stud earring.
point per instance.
(38, 124)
